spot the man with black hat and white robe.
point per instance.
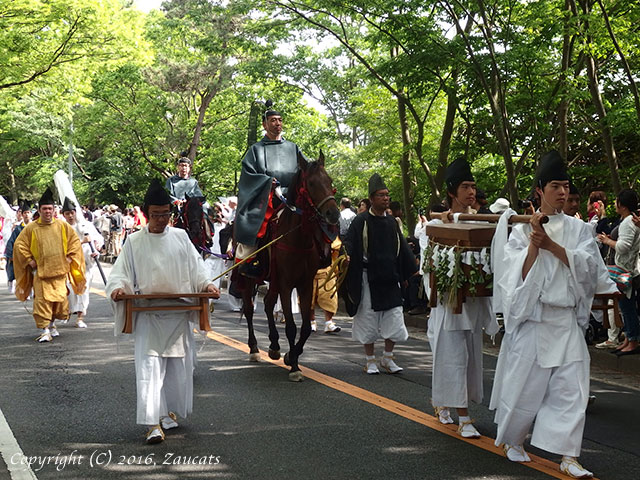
(182, 184)
(379, 259)
(267, 170)
(46, 254)
(550, 275)
(89, 237)
(456, 339)
(160, 259)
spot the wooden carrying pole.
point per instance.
(202, 306)
(487, 217)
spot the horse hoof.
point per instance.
(254, 357)
(286, 359)
(274, 354)
(296, 376)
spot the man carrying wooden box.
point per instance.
(160, 260)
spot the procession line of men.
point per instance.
(544, 288)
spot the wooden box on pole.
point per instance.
(468, 236)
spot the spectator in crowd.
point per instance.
(480, 205)
(396, 210)
(420, 233)
(87, 213)
(594, 197)
(139, 219)
(102, 222)
(627, 249)
(116, 229)
(613, 333)
(415, 299)
(572, 205)
(346, 215)
(363, 205)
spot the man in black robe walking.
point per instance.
(379, 260)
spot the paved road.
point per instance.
(70, 405)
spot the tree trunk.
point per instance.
(410, 217)
(563, 107)
(195, 142)
(13, 190)
(445, 139)
(623, 59)
(596, 97)
(605, 130)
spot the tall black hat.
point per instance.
(270, 113)
(376, 183)
(46, 198)
(184, 160)
(23, 206)
(458, 171)
(68, 205)
(552, 167)
(156, 194)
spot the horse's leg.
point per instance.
(291, 357)
(247, 310)
(305, 292)
(269, 304)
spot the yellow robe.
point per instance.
(51, 245)
(326, 297)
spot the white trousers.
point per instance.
(369, 325)
(457, 364)
(164, 384)
(80, 303)
(556, 398)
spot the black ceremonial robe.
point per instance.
(264, 161)
(389, 262)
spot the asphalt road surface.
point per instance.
(68, 409)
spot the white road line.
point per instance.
(12, 453)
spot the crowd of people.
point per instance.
(546, 275)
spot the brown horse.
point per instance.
(308, 222)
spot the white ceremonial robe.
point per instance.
(456, 346)
(80, 303)
(164, 345)
(370, 325)
(543, 366)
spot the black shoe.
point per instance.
(250, 269)
(635, 351)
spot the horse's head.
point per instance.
(193, 217)
(320, 188)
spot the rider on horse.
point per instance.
(182, 185)
(267, 170)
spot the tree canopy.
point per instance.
(401, 88)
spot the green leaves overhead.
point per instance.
(403, 87)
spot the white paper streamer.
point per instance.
(452, 261)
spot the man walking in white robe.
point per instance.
(550, 277)
(456, 339)
(160, 259)
(92, 242)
